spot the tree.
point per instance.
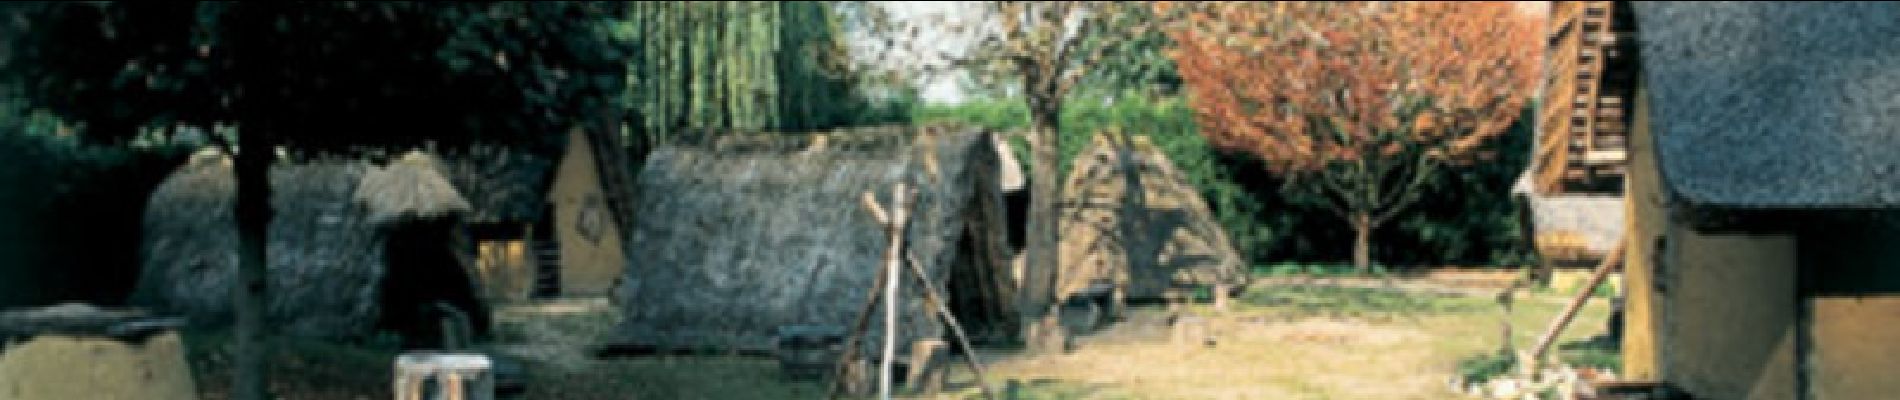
(753, 65)
(309, 78)
(1042, 48)
(1358, 102)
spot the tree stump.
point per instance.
(1192, 331)
(928, 366)
(1048, 335)
(1223, 294)
(450, 376)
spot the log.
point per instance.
(956, 329)
(850, 353)
(1610, 263)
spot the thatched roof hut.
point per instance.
(737, 237)
(1179, 246)
(409, 188)
(325, 246)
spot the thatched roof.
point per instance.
(1774, 104)
(1575, 226)
(1178, 244)
(411, 187)
(1009, 171)
(325, 258)
(741, 235)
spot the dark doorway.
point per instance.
(1016, 205)
(974, 298)
(422, 273)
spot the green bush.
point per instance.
(1484, 367)
(73, 213)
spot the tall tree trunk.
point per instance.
(252, 209)
(1139, 251)
(253, 214)
(1042, 267)
(1362, 242)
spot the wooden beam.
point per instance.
(1531, 360)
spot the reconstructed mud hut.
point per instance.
(351, 244)
(1177, 248)
(738, 236)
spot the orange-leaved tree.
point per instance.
(1360, 103)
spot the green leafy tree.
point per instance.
(703, 67)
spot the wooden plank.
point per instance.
(1605, 157)
(1611, 262)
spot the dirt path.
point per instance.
(1286, 343)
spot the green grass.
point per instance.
(299, 368)
(1310, 301)
(1483, 367)
(1324, 270)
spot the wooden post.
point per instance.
(943, 310)
(850, 353)
(847, 361)
(1222, 292)
(1529, 361)
(893, 221)
(899, 208)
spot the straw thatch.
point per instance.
(325, 258)
(743, 234)
(1178, 244)
(411, 187)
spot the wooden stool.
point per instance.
(444, 376)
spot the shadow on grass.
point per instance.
(299, 368)
(1601, 352)
(1036, 389)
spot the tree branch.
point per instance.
(1410, 193)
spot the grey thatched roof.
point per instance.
(1775, 104)
(1597, 219)
(737, 237)
(325, 258)
(411, 187)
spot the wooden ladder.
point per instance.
(547, 266)
(1584, 127)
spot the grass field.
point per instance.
(1278, 342)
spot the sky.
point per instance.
(940, 89)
